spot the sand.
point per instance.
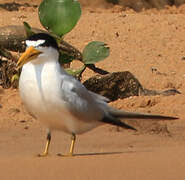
(139, 42)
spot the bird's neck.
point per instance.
(42, 73)
(49, 70)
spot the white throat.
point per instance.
(49, 54)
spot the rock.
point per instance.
(119, 85)
(114, 85)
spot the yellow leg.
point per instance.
(45, 153)
(73, 138)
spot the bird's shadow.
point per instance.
(102, 153)
(98, 153)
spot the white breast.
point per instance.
(39, 88)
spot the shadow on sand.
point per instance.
(103, 153)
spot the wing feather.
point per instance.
(81, 102)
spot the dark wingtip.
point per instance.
(166, 117)
(130, 127)
(135, 115)
(126, 126)
(117, 122)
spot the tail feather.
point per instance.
(114, 116)
(117, 122)
(131, 115)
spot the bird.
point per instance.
(59, 100)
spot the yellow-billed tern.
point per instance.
(59, 100)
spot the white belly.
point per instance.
(50, 111)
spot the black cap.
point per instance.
(49, 40)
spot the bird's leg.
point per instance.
(73, 139)
(45, 153)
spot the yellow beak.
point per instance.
(30, 54)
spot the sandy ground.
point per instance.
(139, 42)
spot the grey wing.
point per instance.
(99, 97)
(80, 101)
(87, 106)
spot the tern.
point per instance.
(59, 100)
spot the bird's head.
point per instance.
(39, 47)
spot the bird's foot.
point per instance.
(43, 155)
(65, 155)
